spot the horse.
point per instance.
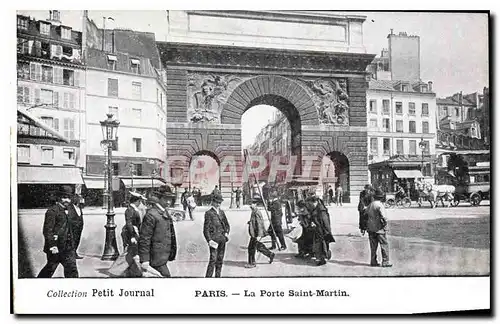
(432, 193)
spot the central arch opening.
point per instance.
(271, 129)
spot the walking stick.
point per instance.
(245, 154)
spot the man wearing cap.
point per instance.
(256, 230)
(276, 220)
(322, 233)
(59, 238)
(157, 240)
(376, 226)
(216, 231)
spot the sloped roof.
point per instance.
(467, 100)
(393, 85)
(35, 121)
(99, 59)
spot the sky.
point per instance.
(453, 47)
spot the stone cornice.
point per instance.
(198, 55)
(287, 16)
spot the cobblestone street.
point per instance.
(423, 242)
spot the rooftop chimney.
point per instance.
(55, 17)
(430, 86)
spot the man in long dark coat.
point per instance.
(305, 242)
(216, 232)
(59, 238)
(157, 240)
(75, 214)
(365, 198)
(276, 220)
(322, 235)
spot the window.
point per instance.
(49, 121)
(425, 109)
(137, 145)
(67, 51)
(399, 107)
(112, 62)
(386, 124)
(69, 128)
(137, 114)
(413, 147)
(373, 106)
(23, 94)
(38, 48)
(157, 96)
(457, 112)
(69, 101)
(399, 126)
(135, 66)
(47, 74)
(23, 70)
(387, 146)
(374, 146)
(425, 127)
(161, 100)
(23, 46)
(445, 111)
(385, 106)
(404, 88)
(69, 77)
(426, 148)
(23, 154)
(423, 88)
(411, 108)
(69, 155)
(65, 33)
(46, 97)
(138, 169)
(114, 111)
(47, 155)
(412, 127)
(373, 123)
(399, 147)
(44, 28)
(136, 90)
(22, 23)
(116, 169)
(45, 50)
(113, 87)
(58, 75)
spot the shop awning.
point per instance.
(96, 182)
(48, 175)
(142, 183)
(408, 174)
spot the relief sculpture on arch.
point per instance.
(330, 98)
(207, 94)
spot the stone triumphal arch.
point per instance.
(216, 73)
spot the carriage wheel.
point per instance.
(406, 202)
(390, 203)
(475, 199)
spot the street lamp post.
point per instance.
(421, 145)
(109, 131)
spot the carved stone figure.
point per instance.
(330, 98)
(207, 96)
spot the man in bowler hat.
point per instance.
(256, 230)
(75, 214)
(59, 237)
(216, 231)
(276, 219)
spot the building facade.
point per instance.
(401, 115)
(50, 88)
(125, 79)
